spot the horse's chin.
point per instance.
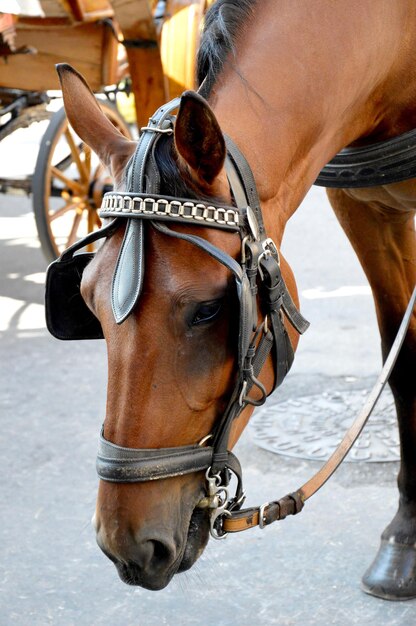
(131, 574)
(197, 538)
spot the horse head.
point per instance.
(177, 351)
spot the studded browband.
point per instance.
(170, 209)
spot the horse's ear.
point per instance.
(89, 122)
(198, 137)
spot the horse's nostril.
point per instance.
(161, 552)
(152, 555)
(149, 565)
(140, 561)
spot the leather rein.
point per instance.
(257, 274)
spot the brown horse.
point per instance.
(291, 82)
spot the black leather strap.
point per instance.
(105, 231)
(247, 178)
(127, 465)
(129, 273)
(217, 254)
(120, 464)
(382, 163)
(128, 276)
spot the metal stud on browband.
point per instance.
(163, 131)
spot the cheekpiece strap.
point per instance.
(244, 170)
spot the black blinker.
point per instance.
(67, 315)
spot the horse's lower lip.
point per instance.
(131, 574)
(198, 534)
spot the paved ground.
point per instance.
(305, 571)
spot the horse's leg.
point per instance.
(384, 241)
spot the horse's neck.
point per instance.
(312, 78)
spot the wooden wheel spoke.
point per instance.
(65, 170)
(64, 163)
(87, 160)
(97, 219)
(74, 229)
(82, 168)
(68, 182)
(93, 222)
(70, 206)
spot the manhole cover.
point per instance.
(311, 427)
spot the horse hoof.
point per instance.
(392, 575)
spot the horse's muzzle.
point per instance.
(147, 562)
(150, 559)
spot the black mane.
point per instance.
(223, 24)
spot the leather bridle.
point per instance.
(257, 276)
(258, 272)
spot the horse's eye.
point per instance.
(206, 312)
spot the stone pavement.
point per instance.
(303, 571)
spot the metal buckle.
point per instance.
(243, 249)
(261, 515)
(154, 129)
(269, 250)
(270, 247)
(242, 395)
(205, 439)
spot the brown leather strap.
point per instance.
(263, 515)
(293, 503)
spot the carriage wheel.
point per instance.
(68, 183)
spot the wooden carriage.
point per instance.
(160, 51)
(151, 43)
